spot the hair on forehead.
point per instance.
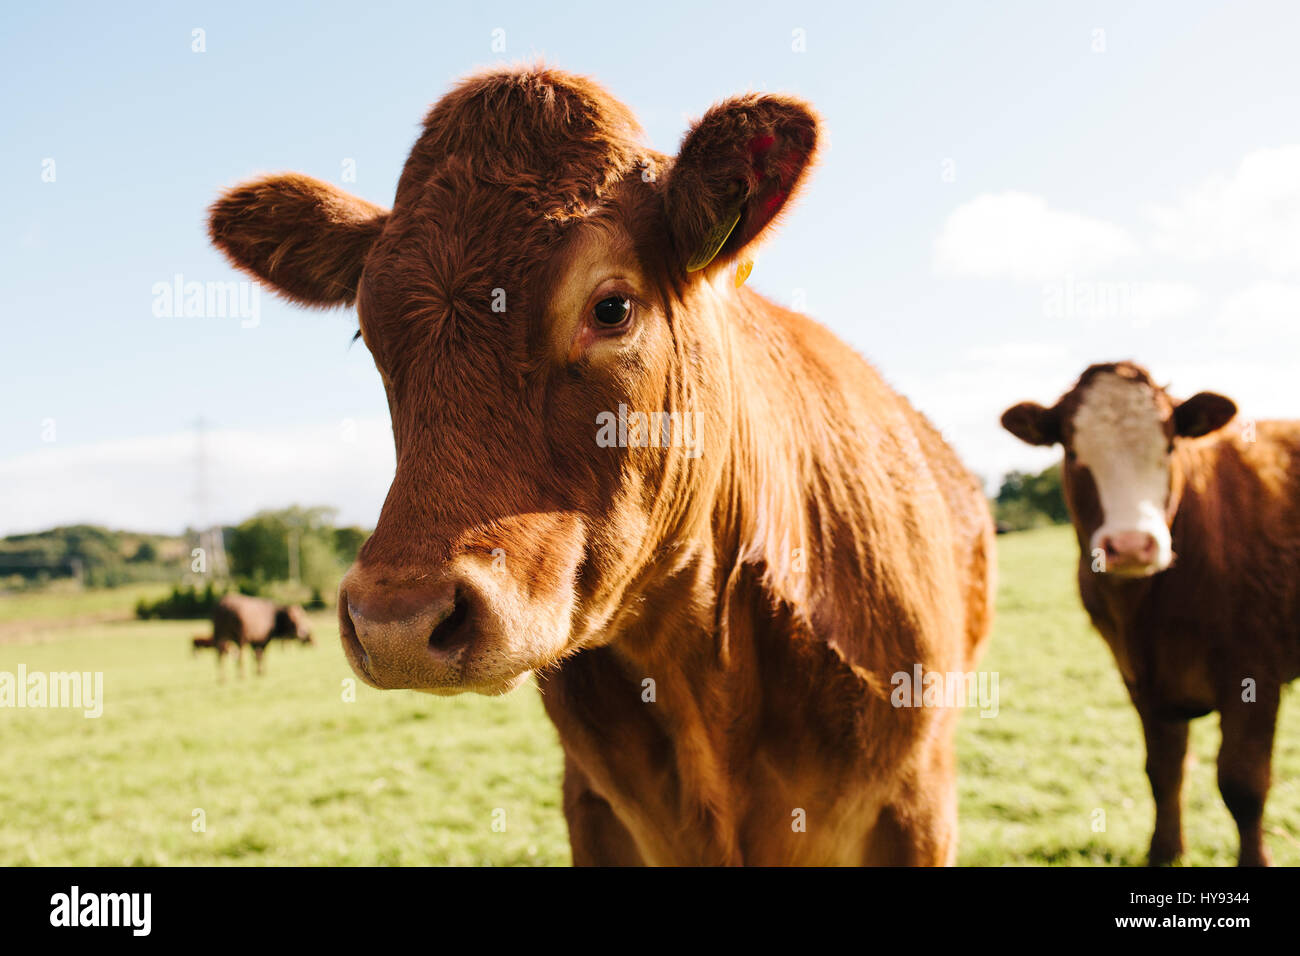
(1128, 371)
(1121, 407)
(1121, 379)
(556, 138)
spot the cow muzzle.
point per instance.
(443, 636)
(1133, 554)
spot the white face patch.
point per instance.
(1119, 437)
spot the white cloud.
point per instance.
(1152, 301)
(1138, 303)
(149, 484)
(1253, 215)
(1015, 235)
(1267, 309)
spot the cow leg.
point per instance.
(919, 828)
(221, 660)
(1245, 758)
(595, 835)
(1166, 742)
(239, 653)
(258, 651)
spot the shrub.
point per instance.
(187, 602)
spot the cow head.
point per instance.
(549, 305)
(292, 621)
(1121, 481)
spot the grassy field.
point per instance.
(1067, 742)
(59, 605)
(286, 770)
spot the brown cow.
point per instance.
(253, 622)
(1189, 567)
(711, 529)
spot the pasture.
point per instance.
(285, 770)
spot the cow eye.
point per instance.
(612, 311)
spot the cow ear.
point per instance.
(1203, 413)
(301, 237)
(1032, 423)
(738, 166)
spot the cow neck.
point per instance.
(660, 726)
(737, 580)
(764, 507)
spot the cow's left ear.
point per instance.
(737, 168)
(1203, 413)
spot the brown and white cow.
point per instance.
(1189, 566)
(242, 621)
(707, 526)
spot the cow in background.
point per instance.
(1189, 566)
(241, 621)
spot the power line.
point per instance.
(211, 539)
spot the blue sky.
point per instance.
(991, 172)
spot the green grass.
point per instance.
(286, 771)
(66, 601)
(283, 768)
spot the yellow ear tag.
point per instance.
(743, 268)
(715, 239)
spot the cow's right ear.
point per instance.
(1032, 423)
(302, 237)
(737, 168)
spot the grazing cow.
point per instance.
(1189, 566)
(709, 528)
(254, 622)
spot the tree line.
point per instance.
(1028, 500)
(305, 547)
(297, 545)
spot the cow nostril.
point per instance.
(348, 633)
(448, 632)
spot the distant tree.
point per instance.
(258, 549)
(1026, 500)
(94, 554)
(183, 602)
(321, 568)
(258, 552)
(147, 553)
